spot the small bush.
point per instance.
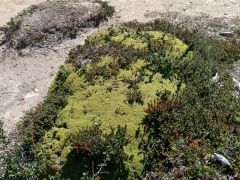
(180, 132)
(96, 154)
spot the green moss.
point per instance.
(179, 47)
(105, 60)
(118, 38)
(56, 143)
(94, 104)
(98, 37)
(105, 100)
(136, 43)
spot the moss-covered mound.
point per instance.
(137, 102)
(109, 86)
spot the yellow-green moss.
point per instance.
(98, 37)
(179, 47)
(118, 38)
(136, 43)
(56, 143)
(94, 103)
(105, 60)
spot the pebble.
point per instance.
(226, 34)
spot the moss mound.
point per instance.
(137, 102)
(109, 89)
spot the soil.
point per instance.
(10, 8)
(145, 10)
(26, 75)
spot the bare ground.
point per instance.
(10, 8)
(138, 9)
(24, 79)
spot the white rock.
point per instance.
(31, 95)
(216, 78)
(222, 159)
(227, 34)
(237, 83)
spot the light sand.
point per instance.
(10, 8)
(136, 9)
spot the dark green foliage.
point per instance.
(97, 154)
(202, 119)
(124, 55)
(210, 49)
(181, 131)
(3, 144)
(2, 135)
(59, 87)
(38, 121)
(15, 162)
(155, 54)
(19, 166)
(134, 95)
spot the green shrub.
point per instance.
(96, 154)
(179, 132)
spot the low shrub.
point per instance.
(181, 131)
(97, 154)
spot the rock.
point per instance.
(226, 34)
(236, 86)
(236, 82)
(220, 158)
(216, 78)
(24, 52)
(208, 157)
(217, 158)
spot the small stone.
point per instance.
(222, 159)
(24, 52)
(216, 78)
(226, 34)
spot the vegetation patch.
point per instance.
(51, 22)
(137, 102)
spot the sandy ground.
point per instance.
(145, 10)
(10, 8)
(24, 80)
